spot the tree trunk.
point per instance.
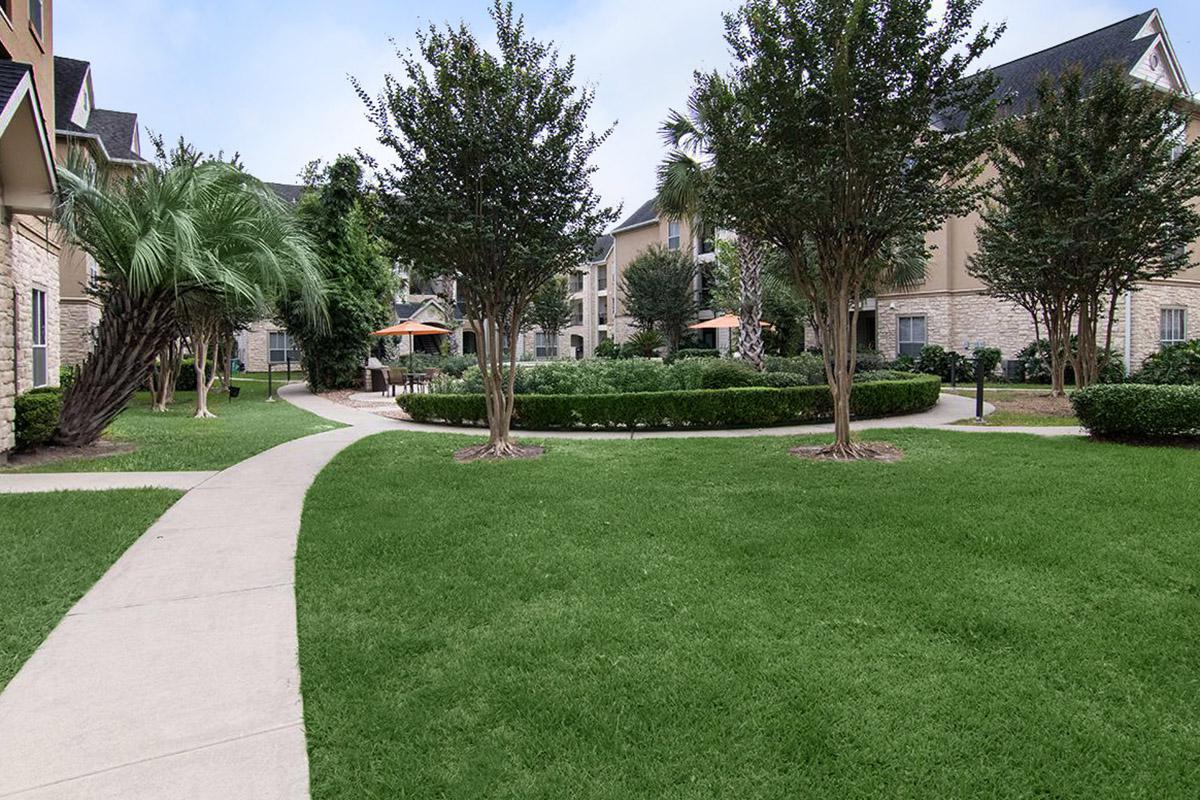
(750, 340)
(162, 379)
(201, 341)
(129, 337)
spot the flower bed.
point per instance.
(753, 406)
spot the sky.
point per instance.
(270, 79)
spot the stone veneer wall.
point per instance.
(7, 376)
(79, 318)
(954, 318)
(35, 267)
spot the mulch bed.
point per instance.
(52, 454)
(864, 451)
(481, 452)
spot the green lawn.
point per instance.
(53, 547)
(995, 616)
(176, 441)
(1022, 419)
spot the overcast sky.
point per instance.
(269, 79)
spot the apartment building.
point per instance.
(29, 283)
(111, 140)
(951, 308)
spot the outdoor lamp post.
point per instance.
(979, 376)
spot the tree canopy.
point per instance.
(845, 130)
(490, 183)
(658, 290)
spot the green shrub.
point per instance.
(36, 415)
(1138, 410)
(726, 373)
(1035, 364)
(809, 365)
(186, 380)
(693, 352)
(66, 377)
(1174, 364)
(643, 344)
(703, 408)
(607, 349)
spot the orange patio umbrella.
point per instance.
(410, 329)
(726, 321)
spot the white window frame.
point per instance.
(544, 346)
(674, 237)
(901, 341)
(1180, 313)
(289, 348)
(37, 319)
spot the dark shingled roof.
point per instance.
(1018, 80)
(68, 83)
(406, 310)
(116, 130)
(288, 192)
(648, 212)
(11, 73)
(601, 247)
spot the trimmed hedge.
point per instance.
(1138, 410)
(36, 416)
(754, 406)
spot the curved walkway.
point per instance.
(177, 674)
(22, 482)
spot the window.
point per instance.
(910, 336)
(708, 238)
(283, 348)
(6, 10)
(545, 346)
(1173, 329)
(576, 312)
(38, 317)
(602, 314)
(93, 272)
(576, 282)
(35, 18)
(673, 235)
(602, 279)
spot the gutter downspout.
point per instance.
(1128, 333)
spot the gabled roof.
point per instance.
(69, 75)
(405, 311)
(26, 162)
(646, 213)
(116, 129)
(601, 247)
(1123, 43)
(287, 192)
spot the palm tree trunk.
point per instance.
(130, 334)
(750, 341)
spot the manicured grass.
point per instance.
(174, 440)
(1022, 408)
(994, 616)
(1001, 417)
(53, 547)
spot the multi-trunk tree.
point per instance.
(845, 131)
(490, 183)
(1095, 196)
(166, 234)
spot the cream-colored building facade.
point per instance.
(29, 284)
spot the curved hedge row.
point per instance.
(696, 408)
(1138, 410)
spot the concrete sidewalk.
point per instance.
(176, 676)
(12, 483)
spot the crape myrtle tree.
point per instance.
(845, 131)
(491, 182)
(658, 290)
(1095, 196)
(551, 309)
(163, 234)
(336, 211)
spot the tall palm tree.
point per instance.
(681, 183)
(163, 235)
